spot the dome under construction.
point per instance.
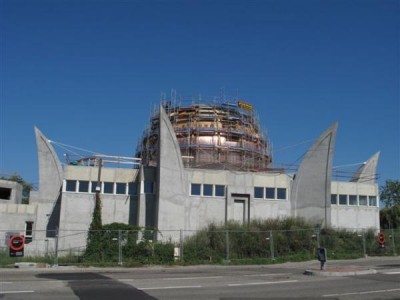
(224, 135)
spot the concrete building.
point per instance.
(196, 164)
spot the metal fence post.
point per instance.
(56, 248)
(226, 244)
(119, 247)
(393, 244)
(181, 244)
(271, 245)
(364, 244)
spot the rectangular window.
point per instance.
(281, 193)
(5, 193)
(195, 189)
(28, 231)
(83, 186)
(333, 199)
(258, 192)
(121, 188)
(28, 228)
(132, 188)
(352, 200)
(148, 187)
(270, 193)
(207, 189)
(70, 186)
(94, 186)
(108, 188)
(372, 201)
(219, 190)
(362, 200)
(342, 199)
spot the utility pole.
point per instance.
(98, 185)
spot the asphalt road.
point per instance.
(284, 281)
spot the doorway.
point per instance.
(239, 210)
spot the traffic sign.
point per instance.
(16, 244)
(381, 238)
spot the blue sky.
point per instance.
(88, 73)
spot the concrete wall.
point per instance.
(50, 182)
(172, 188)
(77, 207)
(13, 218)
(50, 172)
(145, 202)
(202, 210)
(355, 216)
(76, 216)
(310, 194)
(107, 174)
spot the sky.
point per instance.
(88, 73)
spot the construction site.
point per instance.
(197, 163)
(222, 135)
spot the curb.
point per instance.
(339, 272)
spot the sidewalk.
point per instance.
(341, 267)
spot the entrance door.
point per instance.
(239, 210)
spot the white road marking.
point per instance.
(171, 287)
(261, 283)
(190, 278)
(277, 274)
(361, 293)
(15, 292)
(127, 279)
(391, 273)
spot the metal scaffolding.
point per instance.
(214, 135)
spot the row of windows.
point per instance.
(120, 188)
(353, 200)
(270, 193)
(208, 190)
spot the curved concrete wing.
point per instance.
(367, 172)
(172, 184)
(50, 170)
(311, 188)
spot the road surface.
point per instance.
(283, 281)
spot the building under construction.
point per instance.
(197, 164)
(219, 135)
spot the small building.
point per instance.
(10, 192)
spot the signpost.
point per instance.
(381, 239)
(16, 245)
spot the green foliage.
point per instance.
(390, 193)
(250, 241)
(26, 186)
(292, 240)
(390, 217)
(8, 262)
(96, 237)
(104, 249)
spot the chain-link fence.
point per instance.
(137, 247)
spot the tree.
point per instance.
(390, 217)
(27, 187)
(390, 193)
(95, 234)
